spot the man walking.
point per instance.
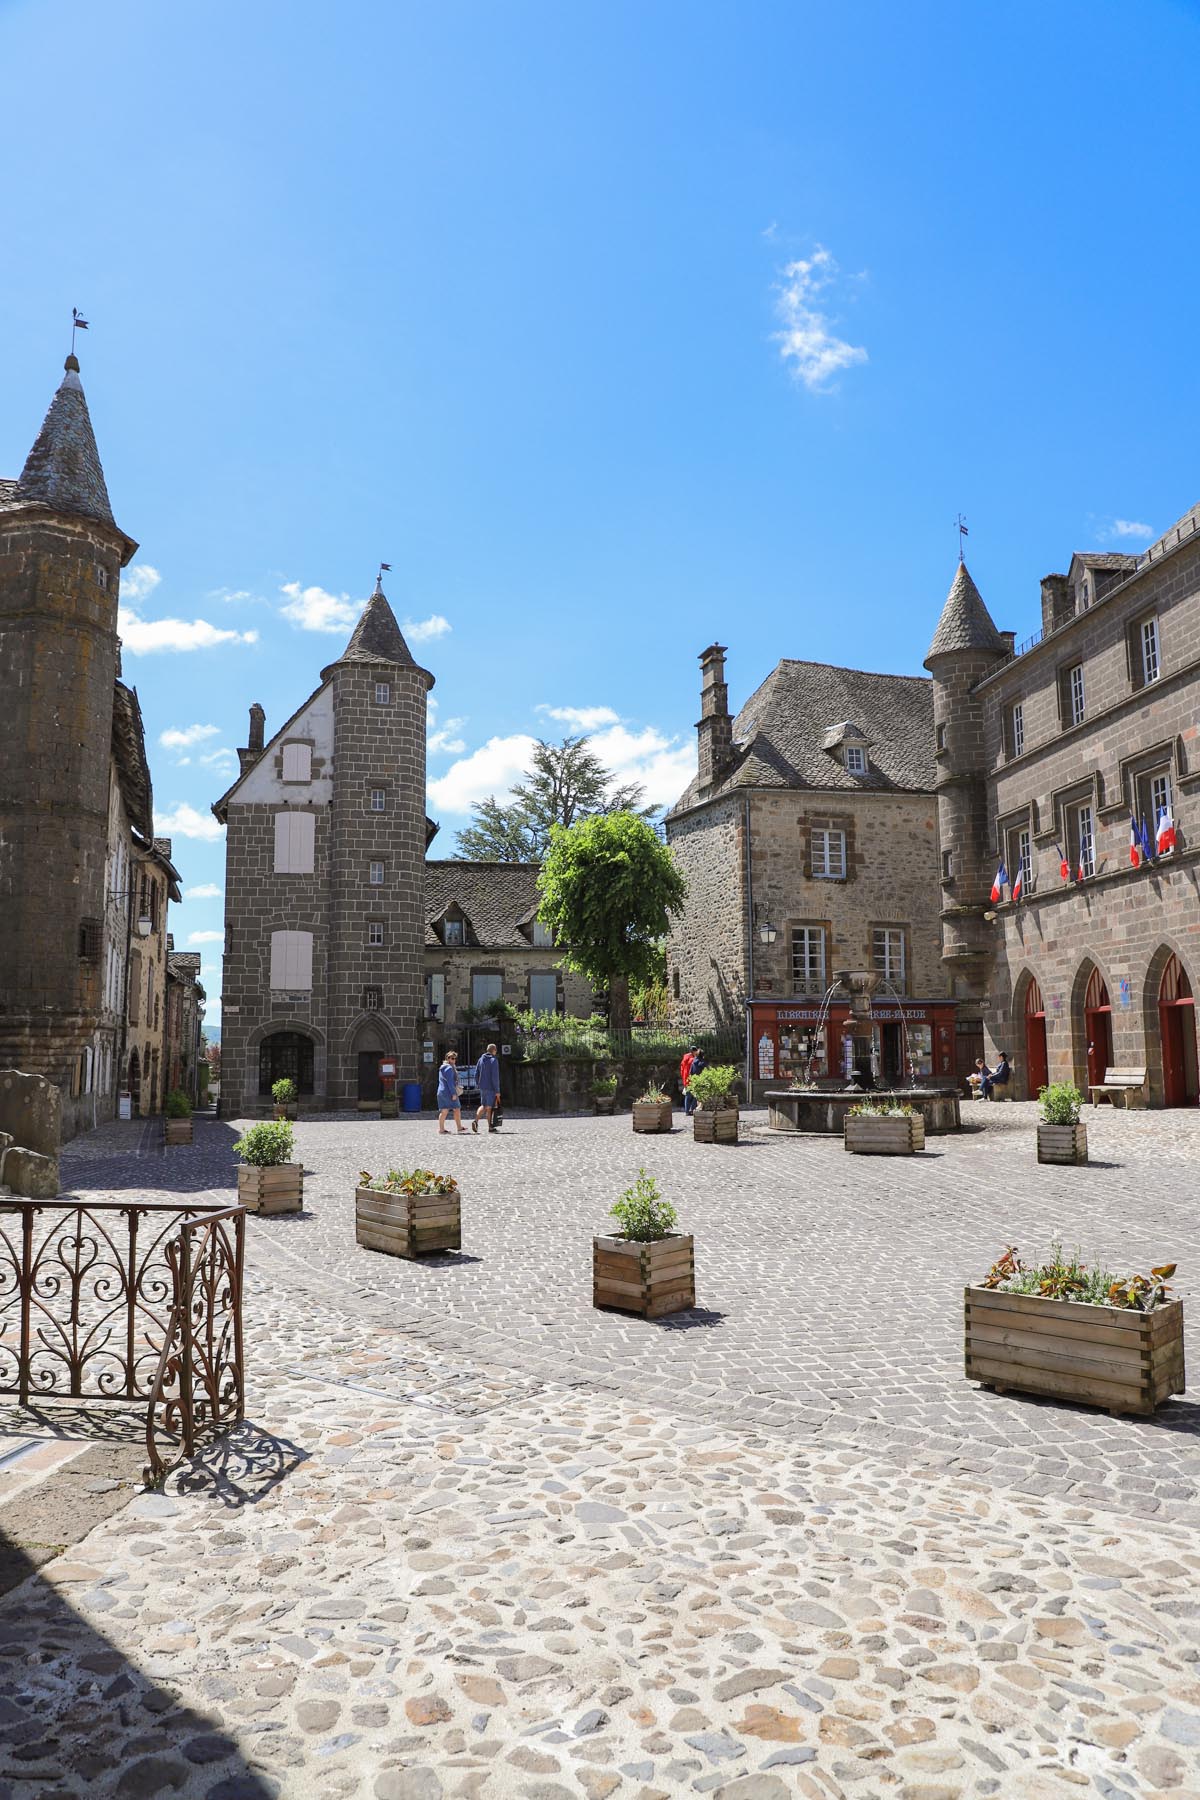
(487, 1079)
(696, 1065)
(685, 1070)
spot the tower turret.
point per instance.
(61, 553)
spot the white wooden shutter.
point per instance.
(297, 762)
(291, 960)
(295, 838)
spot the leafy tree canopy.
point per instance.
(566, 782)
(608, 886)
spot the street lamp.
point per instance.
(767, 932)
(145, 924)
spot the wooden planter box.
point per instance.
(407, 1225)
(284, 1112)
(389, 1109)
(884, 1137)
(720, 1127)
(648, 1115)
(1129, 1362)
(279, 1188)
(178, 1131)
(1062, 1144)
(604, 1103)
(650, 1279)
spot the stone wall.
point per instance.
(515, 964)
(707, 946)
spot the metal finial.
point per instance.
(78, 323)
(961, 525)
(379, 578)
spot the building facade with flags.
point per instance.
(1068, 782)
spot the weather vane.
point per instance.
(961, 525)
(384, 568)
(78, 323)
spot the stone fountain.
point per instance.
(824, 1109)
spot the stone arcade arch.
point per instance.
(371, 1037)
(1091, 1025)
(1175, 1036)
(289, 1054)
(1031, 1010)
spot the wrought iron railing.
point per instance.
(121, 1300)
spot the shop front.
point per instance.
(796, 1041)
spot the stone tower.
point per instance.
(61, 553)
(966, 646)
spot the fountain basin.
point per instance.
(811, 1109)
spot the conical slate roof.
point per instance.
(966, 623)
(376, 638)
(63, 470)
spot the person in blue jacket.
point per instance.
(487, 1079)
(449, 1094)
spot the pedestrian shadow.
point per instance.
(695, 1319)
(446, 1259)
(240, 1467)
(80, 1717)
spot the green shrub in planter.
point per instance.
(1059, 1103)
(604, 1086)
(642, 1213)
(715, 1088)
(283, 1091)
(178, 1104)
(268, 1144)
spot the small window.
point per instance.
(383, 693)
(887, 953)
(375, 876)
(1022, 857)
(941, 737)
(485, 988)
(1018, 729)
(808, 959)
(372, 999)
(856, 759)
(102, 577)
(91, 935)
(1154, 806)
(375, 934)
(454, 932)
(1083, 840)
(297, 762)
(947, 865)
(378, 799)
(675, 983)
(435, 996)
(1145, 663)
(543, 936)
(828, 855)
(1071, 697)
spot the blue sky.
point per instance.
(614, 327)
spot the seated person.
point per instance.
(977, 1078)
(1001, 1076)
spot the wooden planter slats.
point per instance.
(720, 1127)
(279, 1188)
(903, 1136)
(408, 1225)
(1062, 1144)
(649, 1279)
(649, 1115)
(1104, 1355)
(178, 1131)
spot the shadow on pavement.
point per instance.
(241, 1467)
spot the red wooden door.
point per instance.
(1097, 1020)
(1177, 1027)
(1036, 1059)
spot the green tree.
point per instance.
(565, 783)
(608, 886)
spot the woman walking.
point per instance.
(449, 1086)
(487, 1079)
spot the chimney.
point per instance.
(1058, 604)
(714, 729)
(254, 748)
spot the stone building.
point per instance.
(1046, 758)
(61, 554)
(808, 841)
(324, 900)
(184, 1020)
(154, 884)
(484, 942)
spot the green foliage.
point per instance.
(408, 1181)
(283, 1091)
(267, 1144)
(178, 1104)
(603, 1085)
(608, 887)
(879, 1109)
(1063, 1277)
(653, 1095)
(715, 1087)
(643, 1214)
(1060, 1103)
(566, 782)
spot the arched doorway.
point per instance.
(1097, 1025)
(1037, 1061)
(135, 1083)
(371, 1042)
(1177, 1025)
(285, 1054)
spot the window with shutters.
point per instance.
(291, 961)
(543, 993)
(887, 953)
(435, 996)
(543, 936)
(808, 959)
(295, 839)
(828, 855)
(485, 987)
(297, 762)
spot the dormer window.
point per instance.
(454, 931)
(543, 936)
(856, 759)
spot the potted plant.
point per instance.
(268, 1180)
(647, 1267)
(604, 1093)
(883, 1129)
(283, 1093)
(178, 1128)
(652, 1109)
(714, 1090)
(407, 1212)
(1060, 1136)
(1076, 1333)
(389, 1102)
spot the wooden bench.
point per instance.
(1125, 1082)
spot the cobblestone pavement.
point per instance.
(416, 1574)
(830, 1286)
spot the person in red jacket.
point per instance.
(685, 1069)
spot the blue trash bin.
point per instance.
(412, 1096)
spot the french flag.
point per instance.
(1000, 883)
(1135, 844)
(1019, 883)
(1064, 867)
(1166, 832)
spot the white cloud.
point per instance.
(582, 718)
(206, 937)
(184, 821)
(142, 637)
(313, 609)
(182, 737)
(446, 739)
(139, 581)
(206, 890)
(806, 341)
(662, 765)
(219, 759)
(1129, 528)
(492, 769)
(421, 631)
